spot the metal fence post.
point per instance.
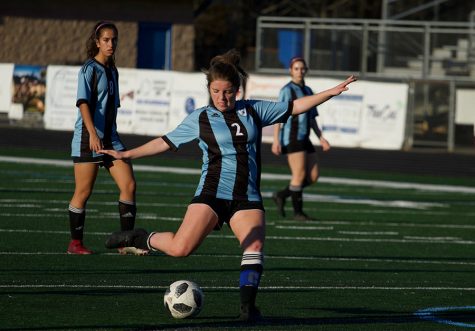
(451, 119)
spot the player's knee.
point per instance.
(313, 179)
(128, 188)
(82, 194)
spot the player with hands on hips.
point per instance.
(229, 133)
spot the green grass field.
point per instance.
(384, 247)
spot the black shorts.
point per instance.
(102, 160)
(225, 209)
(299, 146)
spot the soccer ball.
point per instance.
(183, 299)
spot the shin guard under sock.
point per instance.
(77, 217)
(127, 212)
(250, 276)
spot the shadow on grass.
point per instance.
(361, 318)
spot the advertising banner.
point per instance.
(61, 94)
(29, 88)
(6, 73)
(340, 118)
(188, 93)
(126, 113)
(265, 87)
(464, 104)
(369, 115)
(383, 119)
(152, 102)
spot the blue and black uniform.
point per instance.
(231, 171)
(98, 87)
(295, 133)
(294, 137)
(231, 143)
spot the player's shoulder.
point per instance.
(308, 88)
(287, 86)
(194, 114)
(88, 66)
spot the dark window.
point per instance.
(154, 46)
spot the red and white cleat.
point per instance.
(76, 247)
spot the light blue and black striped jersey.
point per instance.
(297, 127)
(231, 143)
(98, 87)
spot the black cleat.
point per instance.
(302, 217)
(250, 314)
(280, 202)
(131, 238)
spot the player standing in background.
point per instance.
(95, 129)
(293, 139)
(229, 133)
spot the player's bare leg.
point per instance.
(84, 176)
(249, 228)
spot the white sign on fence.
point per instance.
(6, 75)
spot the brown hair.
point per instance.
(226, 67)
(297, 59)
(91, 46)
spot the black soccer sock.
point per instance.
(306, 183)
(250, 276)
(77, 217)
(297, 201)
(127, 211)
(285, 193)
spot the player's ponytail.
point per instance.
(227, 67)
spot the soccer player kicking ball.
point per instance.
(229, 134)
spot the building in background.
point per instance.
(153, 34)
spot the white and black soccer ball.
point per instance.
(183, 299)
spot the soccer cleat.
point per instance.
(302, 217)
(280, 202)
(249, 314)
(76, 247)
(128, 238)
(133, 251)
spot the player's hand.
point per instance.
(95, 143)
(325, 144)
(343, 86)
(118, 155)
(276, 149)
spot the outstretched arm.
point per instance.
(304, 104)
(153, 147)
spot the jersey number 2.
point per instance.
(238, 129)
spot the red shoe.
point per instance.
(76, 247)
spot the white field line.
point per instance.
(370, 233)
(329, 180)
(13, 203)
(151, 216)
(30, 203)
(435, 240)
(341, 200)
(265, 288)
(294, 258)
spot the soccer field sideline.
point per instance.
(328, 180)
